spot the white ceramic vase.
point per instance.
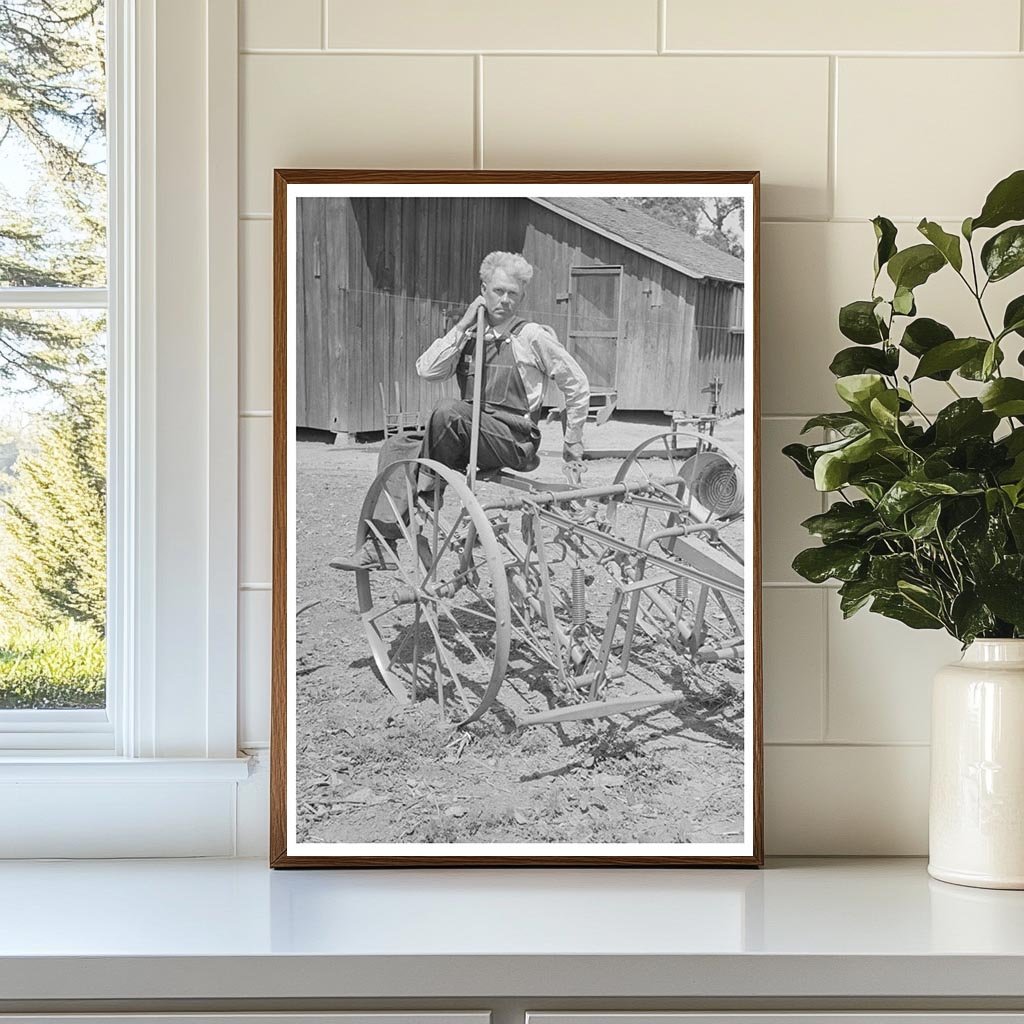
(976, 813)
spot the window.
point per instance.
(155, 772)
(53, 368)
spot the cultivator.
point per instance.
(582, 601)
(557, 602)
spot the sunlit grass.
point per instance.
(61, 667)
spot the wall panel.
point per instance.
(847, 709)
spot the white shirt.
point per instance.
(538, 356)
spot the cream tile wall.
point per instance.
(909, 109)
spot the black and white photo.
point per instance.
(516, 567)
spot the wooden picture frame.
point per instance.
(625, 733)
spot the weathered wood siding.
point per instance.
(380, 279)
(398, 273)
(657, 307)
(719, 350)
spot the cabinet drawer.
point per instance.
(786, 1017)
(355, 1017)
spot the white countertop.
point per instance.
(234, 929)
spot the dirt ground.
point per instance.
(372, 770)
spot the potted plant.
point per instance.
(926, 524)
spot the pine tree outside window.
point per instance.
(53, 365)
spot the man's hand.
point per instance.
(572, 451)
(468, 319)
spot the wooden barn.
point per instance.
(648, 310)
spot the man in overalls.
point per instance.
(519, 358)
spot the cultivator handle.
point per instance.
(478, 376)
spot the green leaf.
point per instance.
(925, 518)
(834, 446)
(966, 417)
(872, 491)
(885, 409)
(947, 244)
(949, 355)
(1003, 254)
(923, 335)
(857, 321)
(971, 618)
(831, 471)
(1015, 520)
(866, 445)
(996, 500)
(1005, 597)
(991, 360)
(886, 571)
(965, 229)
(849, 361)
(833, 420)
(1013, 317)
(840, 561)
(903, 302)
(1005, 202)
(799, 455)
(922, 597)
(912, 267)
(981, 538)
(885, 237)
(854, 594)
(858, 389)
(881, 471)
(963, 482)
(843, 521)
(974, 368)
(906, 494)
(1014, 441)
(1013, 492)
(1004, 397)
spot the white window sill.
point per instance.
(77, 766)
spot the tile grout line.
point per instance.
(852, 744)
(831, 171)
(825, 651)
(828, 586)
(369, 51)
(785, 221)
(478, 111)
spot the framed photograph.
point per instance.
(516, 612)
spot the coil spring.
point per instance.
(579, 596)
(681, 589)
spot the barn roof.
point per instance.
(629, 226)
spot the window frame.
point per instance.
(172, 509)
(93, 729)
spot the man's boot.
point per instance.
(372, 555)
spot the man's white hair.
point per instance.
(513, 263)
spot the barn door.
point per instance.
(595, 306)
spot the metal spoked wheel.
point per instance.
(439, 623)
(691, 510)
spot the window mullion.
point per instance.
(53, 298)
